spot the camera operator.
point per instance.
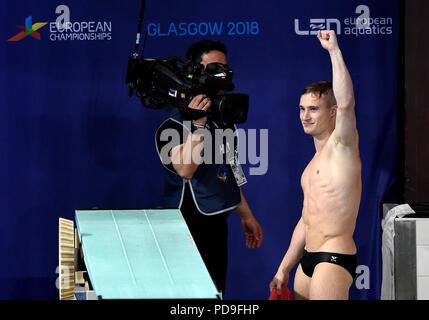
(205, 193)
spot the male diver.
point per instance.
(322, 241)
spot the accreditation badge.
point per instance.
(237, 170)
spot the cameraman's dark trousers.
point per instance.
(210, 234)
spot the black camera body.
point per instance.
(174, 82)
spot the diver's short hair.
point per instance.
(322, 88)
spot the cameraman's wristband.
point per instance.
(196, 126)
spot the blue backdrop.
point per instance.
(70, 137)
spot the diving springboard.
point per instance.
(142, 254)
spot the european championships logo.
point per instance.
(64, 29)
(29, 29)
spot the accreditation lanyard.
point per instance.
(235, 166)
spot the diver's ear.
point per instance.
(333, 111)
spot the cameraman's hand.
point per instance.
(200, 102)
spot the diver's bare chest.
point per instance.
(317, 173)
